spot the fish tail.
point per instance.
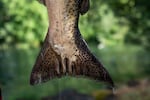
(51, 65)
(46, 65)
(87, 65)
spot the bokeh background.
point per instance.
(117, 32)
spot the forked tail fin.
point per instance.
(46, 66)
(50, 65)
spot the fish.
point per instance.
(64, 51)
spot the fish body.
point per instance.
(64, 51)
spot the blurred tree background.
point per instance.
(117, 31)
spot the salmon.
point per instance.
(64, 51)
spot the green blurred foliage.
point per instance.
(22, 23)
(136, 14)
(103, 25)
(114, 22)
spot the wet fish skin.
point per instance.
(64, 51)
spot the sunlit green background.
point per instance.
(117, 32)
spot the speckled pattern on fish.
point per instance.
(64, 51)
